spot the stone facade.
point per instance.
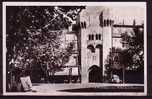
(96, 39)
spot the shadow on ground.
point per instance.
(107, 89)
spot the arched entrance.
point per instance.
(95, 74)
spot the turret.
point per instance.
(106, 23)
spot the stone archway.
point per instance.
(95, 74)
(91, 47)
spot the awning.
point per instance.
(66, 71)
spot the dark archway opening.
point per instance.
(95, 74)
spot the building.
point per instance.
(95, 35)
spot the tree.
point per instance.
(134, 42)
(117, 60)
(34, 33)
(131, 57)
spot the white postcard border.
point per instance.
(143, 4)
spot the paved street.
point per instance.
(67, 87)
(52, 87)
(83, 89)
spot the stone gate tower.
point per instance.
(96, 39)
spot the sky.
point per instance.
(128, 14)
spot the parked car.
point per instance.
(116, 79)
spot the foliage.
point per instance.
(134, 48)
(34, 35)
(129, 58)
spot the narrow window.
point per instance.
(108, 22)
(94, 57)
(89, 37)
(96, 36)
(92, 37)
(99, 36)
(82, 25)
(104, 22)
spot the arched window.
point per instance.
(111, 22)
(96, 36)
(104, 22)
(92, 37)
(108, 22)
(84, 24)
(89, 36)
(99, 36)
(101, 19)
